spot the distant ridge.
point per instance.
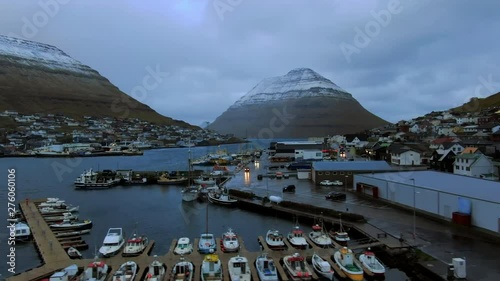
(300, 104)
(478, 104)
(39, 78)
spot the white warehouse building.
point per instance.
(464, 200)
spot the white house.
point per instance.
(452, 146)
(415, 128)
(470, 129)
(405, 157)
(445, 130)
(473, 165)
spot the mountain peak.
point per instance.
(297, 83)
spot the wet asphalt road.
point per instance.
(440, 240)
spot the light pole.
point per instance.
(414, 212)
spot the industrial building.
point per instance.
(461, 199)
(344, 170)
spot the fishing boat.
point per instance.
(135, 245)
(205, 181)
(53, 202)
(113, 242)
(319, 236)
(92, 180)
(296, 238)
(206, 243)
(183, 270)
(211, 268)
(190, 193)
(59, 218)
(52, 211)
(239, 269)
(156, 271)
(274, 239)
(265, 268)
(167, 180)
(71, 233)
(322, 267)
(126, 272)
(95, 271)
(344, 258)
(72, 224)
(221, 198)
(22, 232)
(372, 263)
(183, 247)
(230, 241)
(74, 253)
(340, 235)
(296, 267)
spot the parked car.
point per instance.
(247, 169)
(337, 182)
(333, 195)
(326, 183)
(289, 188)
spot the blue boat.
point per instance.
(207, 244)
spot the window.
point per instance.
(349, 173)
(467, 169)
(327, 173)
(334, 173)
(462, 168)
(320, 173)
(341, 173)
(457, 167)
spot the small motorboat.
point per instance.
(52, 211)
(274, 239)
(230, 241)
(135, 245)
(72, 224)
(183, 270)
(126, 272)
(190, 193)
(296, 267)
(239, 269)
(69, 273)
(372, 263)
(156, 271)
(297, 239)
(265, 268)
(95, 271)
(211, 268)
(221, 198)
(322, 267)
(74, 253)
(113, 242)
(340, 235)
(207, 244)
(344, 258)
(319, 236)
(22, 232)
(183, 247)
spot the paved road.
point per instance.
(440, 240)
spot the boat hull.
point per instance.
(353, 275)
(378, 269)
(214, 200)
(76, 226)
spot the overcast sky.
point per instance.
(399, 59)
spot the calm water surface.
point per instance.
(154, 210)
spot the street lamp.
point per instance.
(414, 212)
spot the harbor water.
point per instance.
(154, 210)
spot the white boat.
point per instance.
(207, 182)
(58, 217)
(211, 268)
(340, 235)
(91, 180)
(74, 253)
(322, 267)
(52, 210)
(239, 269)
(206, 243)
(319, 236)
(22, 232)
(156, 271)
(265, 268)
(53, 202)
(344, 258)
(135, 245)
(230, 241)
(297, 239)
(183, 246)
(95, 271)
(126, 272)
(190, 193)
(113, 242)
(72, 224)
(69, 273)
(274, 239)
(183, 270)
(296, 267)
(221, 198)
(372, 263)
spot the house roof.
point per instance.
(443, 140)
(464, 186)
(447, 145)
(351, 166)
(468, 156)
(470, 150)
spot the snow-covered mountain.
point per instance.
(301, 103)
(298, 83)
(39, 78)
